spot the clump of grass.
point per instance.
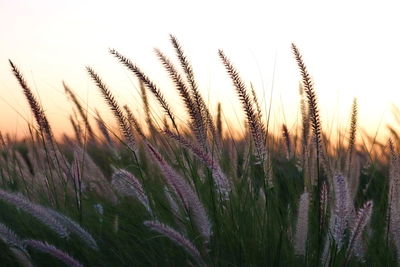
(214, 200)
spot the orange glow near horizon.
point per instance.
(350, 48)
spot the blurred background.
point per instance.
(351, 50)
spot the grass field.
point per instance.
(161, 193)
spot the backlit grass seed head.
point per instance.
(80, 109)
(254, 124)
(300, 239)
(393, 211)
(133, 122)
(127, 184)
(201, 106)
(185, 193)
(146, 106)
(355, 242)
(37, 110)
(341, 209)
(74, 228)
(39, 212)
(221, 182)
(310, 93)
(115, 108)
(53, 251)
(176, 237)
(309, 90)
(10, 238)
(196, 124)
(286, 138)
(352, 135)
(323, 204)
(148, 83)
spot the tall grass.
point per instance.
(172, 195)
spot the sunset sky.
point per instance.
(351, 48)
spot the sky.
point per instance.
(351, 49)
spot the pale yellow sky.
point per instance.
(351, 48)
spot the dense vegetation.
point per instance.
(165, 194)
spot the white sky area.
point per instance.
(352, 49)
